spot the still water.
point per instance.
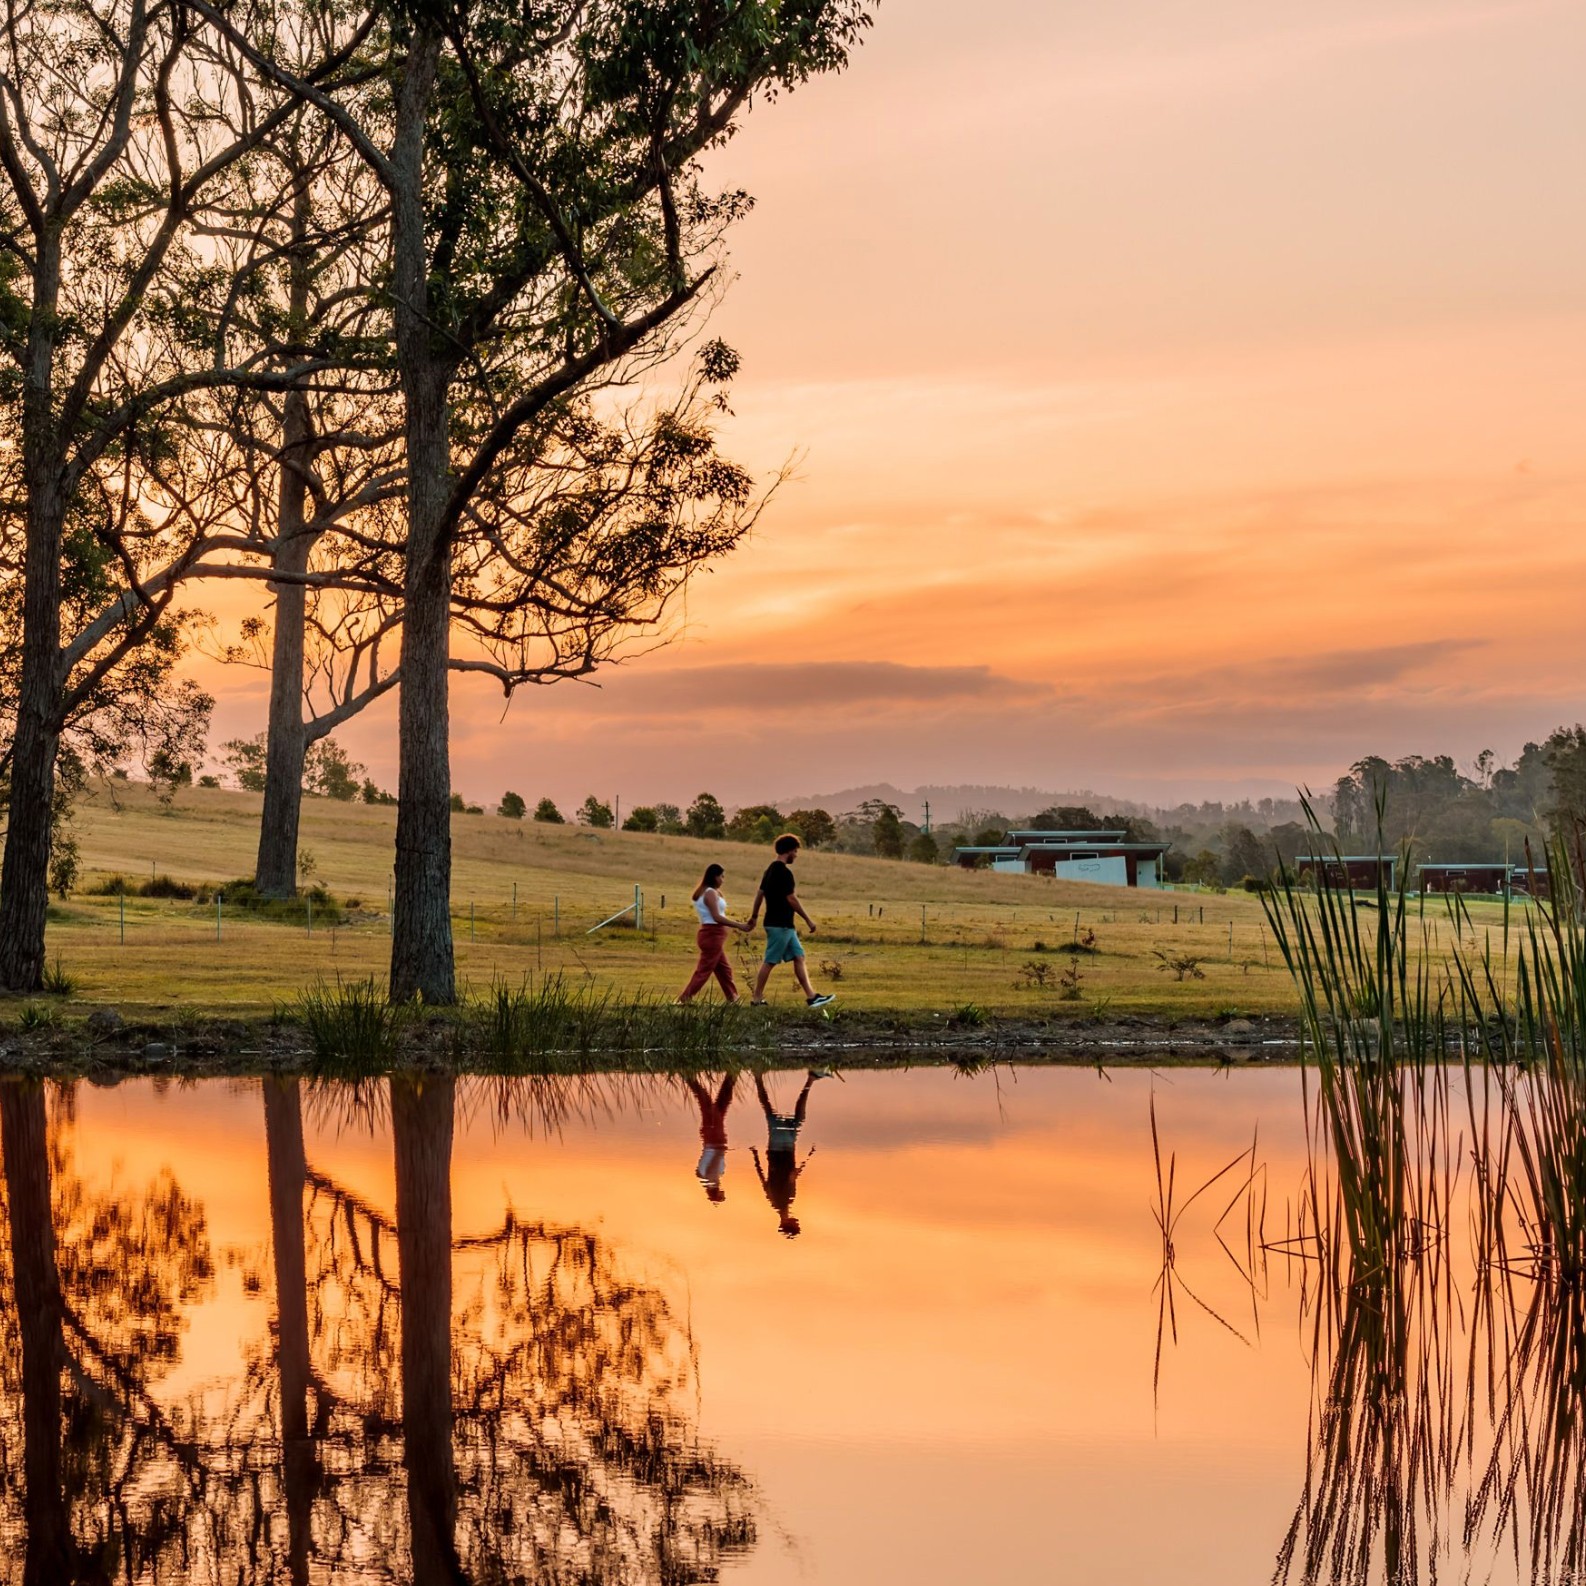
(493, 1331)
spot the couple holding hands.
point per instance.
(779, 897)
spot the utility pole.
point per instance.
(927, 817)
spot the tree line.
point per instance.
(352, 304)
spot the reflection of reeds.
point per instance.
(1385, 1439)
(1538, 1462)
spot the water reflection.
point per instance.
(712, 1132)
(780, 1172)
(429, 1404)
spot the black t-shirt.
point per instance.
(777, 884)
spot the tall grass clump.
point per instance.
(556, 1025)
(354, 1028)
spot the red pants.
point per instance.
(712, 961)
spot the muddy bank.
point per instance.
(104, 1047)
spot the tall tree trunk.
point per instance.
(421, 1131)
(286, 740)
(24, 1139)
(25, 870)
(421, 928)
(288, 1171)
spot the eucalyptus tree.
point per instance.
(586, 234)
(118, 120)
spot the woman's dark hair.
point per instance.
(712, 878)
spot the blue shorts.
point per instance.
(782, 944)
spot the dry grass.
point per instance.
(978, 929)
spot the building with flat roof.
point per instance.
(1354, 872)
(1489, 877)
(1107, 858)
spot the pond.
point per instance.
(507, 1330)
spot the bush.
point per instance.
(547, 811)
(167, 887)
(154, 887)
(512, 805)
(243, 895)
(643, 819)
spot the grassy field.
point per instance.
(895, 936)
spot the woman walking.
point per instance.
(711, 907)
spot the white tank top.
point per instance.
(702, 909)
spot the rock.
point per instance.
(1239, 1027)
(105, 1022)
(158, 1051)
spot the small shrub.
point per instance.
(1034, 976)
(968, 1016)
(1184, 966)
(36, 1016)
(57, 982)
(832, 968)
(1068, 982)
(167, 887)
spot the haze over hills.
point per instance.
(949, 800)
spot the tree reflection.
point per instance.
(426, 1405)
(518, 1396)
(101, 1278)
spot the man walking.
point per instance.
(782, 945)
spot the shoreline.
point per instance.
(105, 1048)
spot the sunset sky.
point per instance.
(1189, 400)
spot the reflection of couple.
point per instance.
(779, 1174)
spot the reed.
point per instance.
(1531, 1048)
(1374, 1018)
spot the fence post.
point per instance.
(218, 896)
(514, 903)
(123, 898)
(638, 908)
(1230, 941)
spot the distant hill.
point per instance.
(948, 800)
